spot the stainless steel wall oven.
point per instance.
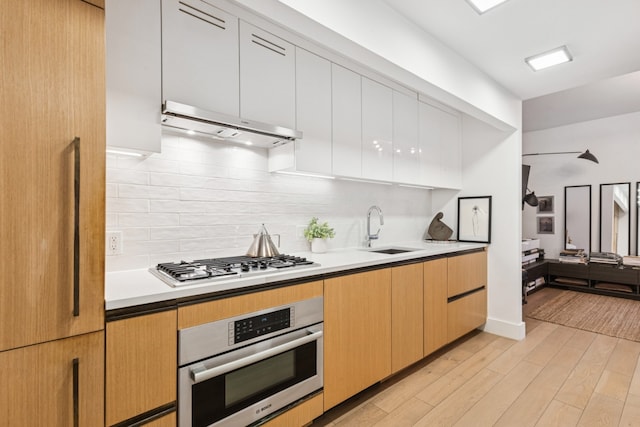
(236, 371)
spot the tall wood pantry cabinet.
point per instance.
(52, 176)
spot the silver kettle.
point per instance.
(262, 245)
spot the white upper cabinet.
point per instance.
(200, 56)
(133, 75)
(440, 145)
(377, 131)
(346, 94)
(267, 77)
(312, 153)
(313, 112)
(406, 146)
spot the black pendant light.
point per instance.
(588, 156)
(531, 199)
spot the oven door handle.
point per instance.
(199, 376)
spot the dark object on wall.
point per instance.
(531, 199)
(438, 230)
(586, 155)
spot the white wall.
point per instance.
(491, 168)
(200, 198)
(615, 141)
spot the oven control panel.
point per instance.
(256, 326)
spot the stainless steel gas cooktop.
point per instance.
(207, 270)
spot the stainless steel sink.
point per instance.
(391, 251)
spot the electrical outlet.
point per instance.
(114, 242)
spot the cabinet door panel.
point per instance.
(406, 147)
(134, 72)
(357, 333)
(53, 90)
(451, 141)
(200, 56)
(267, 77)
(467, 272)
(435, 305)
(466, 314)
(141, 364)
(440, 145)
(346, 93)
(38, 383)
(313, 113)
(406, 316)
(377, 133)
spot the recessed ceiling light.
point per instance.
(481, 6)
(550, 58)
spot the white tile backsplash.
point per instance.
(201, 199)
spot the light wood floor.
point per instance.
(556, 376)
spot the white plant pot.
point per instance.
(319, 246)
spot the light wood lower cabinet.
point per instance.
(466, 273)
(357, 333)
(41, 384)
(406, 316)
(299, 415)
(141, 365)
(435, 305)
(466, 314)
(467, 293)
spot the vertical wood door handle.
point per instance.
(76, 392)
(76, 226)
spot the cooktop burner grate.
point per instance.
(202, 270)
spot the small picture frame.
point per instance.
(546, 224)
(474, 219)
(545, 204)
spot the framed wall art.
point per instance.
(474, 219)
(546, 224)
(545, 204)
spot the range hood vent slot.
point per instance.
(224, 127)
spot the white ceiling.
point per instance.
(603, 37)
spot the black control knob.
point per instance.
(244, 266)
(263, 265)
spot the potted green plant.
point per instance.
(318, 234)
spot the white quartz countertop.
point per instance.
(130, 288)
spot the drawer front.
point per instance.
(466, 273)
(607, 273)
(579, 271)
(466, 314)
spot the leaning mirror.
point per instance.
(615, 218)
(577, 217)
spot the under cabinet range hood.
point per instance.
(224, 127)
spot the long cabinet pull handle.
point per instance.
(76, 227)
(76, 392)
(201, 375)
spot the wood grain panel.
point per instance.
(357, 333)
(406, 316)
(435, 305)
(466, 314)
(53, 89)
(141, 364)
(467, 272)
(37, 383)
(299, 415)
(206, 312)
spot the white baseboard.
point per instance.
(515, 331)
